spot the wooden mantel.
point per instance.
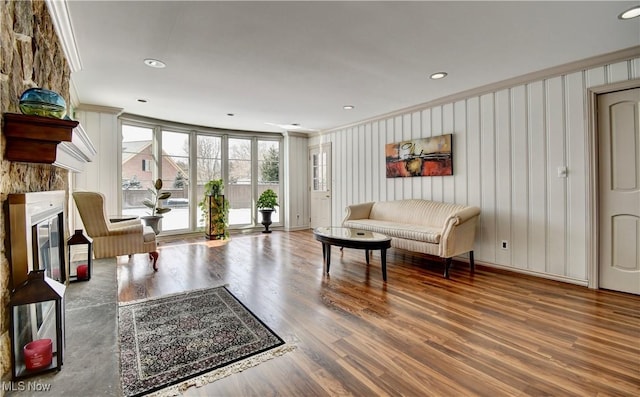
(37, 139)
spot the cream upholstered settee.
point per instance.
(429, 227)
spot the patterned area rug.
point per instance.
(171, 343)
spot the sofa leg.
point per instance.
(447, 265)
(154, 256)
(472, 265)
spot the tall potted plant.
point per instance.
(155, 206)
(267, 203)
(215, 210)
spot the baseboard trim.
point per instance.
(564, 279)
(297, 228)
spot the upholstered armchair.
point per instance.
(114, 239)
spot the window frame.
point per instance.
(158, 126)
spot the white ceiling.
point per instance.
(300, 62)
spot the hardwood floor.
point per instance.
(495, 333)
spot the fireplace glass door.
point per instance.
(48, 249)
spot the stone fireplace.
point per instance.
(31, 57)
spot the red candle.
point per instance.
(83, 272)
(38, 354)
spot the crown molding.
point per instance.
(62, 24)
(83, 107)
(296, 134)
(588, 63)
(193, 127)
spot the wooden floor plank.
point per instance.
(493, 333)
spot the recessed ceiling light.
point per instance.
(438, 76)
(348, 107)
(142, 100)
(630, 13)
(154, 63)
(230, 114)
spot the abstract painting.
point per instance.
(420, 157)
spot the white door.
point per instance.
(320, 168)
(619, 190)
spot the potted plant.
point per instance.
(267, 203)
(215, 210)
(214, 187)
(155, 206)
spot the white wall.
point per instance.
(508, 144)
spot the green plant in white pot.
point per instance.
(154, 204)
(267, 203)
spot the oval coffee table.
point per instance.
(353, 238)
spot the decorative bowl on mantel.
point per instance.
(41, 102)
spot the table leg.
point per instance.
(328, 258)
(383, 260)
(324, 253)
(366, 256)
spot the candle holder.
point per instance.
(80, 256)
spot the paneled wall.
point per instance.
(103, 173)
(296, 200)
(508, 145)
